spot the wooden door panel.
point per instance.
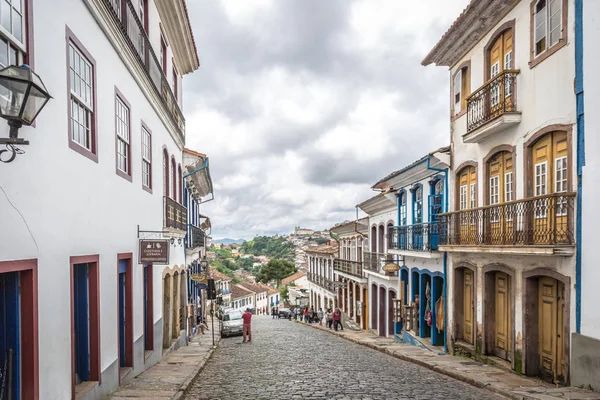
(548, 327)
(468, 306)
(502, 317)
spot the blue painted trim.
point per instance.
(580, 153)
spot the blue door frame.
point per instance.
(122, 352)
(10, 329)
(81, 310)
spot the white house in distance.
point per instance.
(510, 235)
(320, 276)
(242, 298)
(262, 294)
(69, 244)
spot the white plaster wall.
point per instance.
(74, 206)
(382, 218)
(590, 273)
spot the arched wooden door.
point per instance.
(551, 305)
(550, 175)
(468, 306)
(502, 313)
(501, 190)
(500, 59)
(467, 199)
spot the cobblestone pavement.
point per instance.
(287, 360)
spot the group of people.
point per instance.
(333, 320)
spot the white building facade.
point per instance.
(586, 339)
(383, 287)
(85, 310)
(420, 194)
(320, 276)
(510, 237)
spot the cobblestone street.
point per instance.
(287, 360)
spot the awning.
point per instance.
(197, 171)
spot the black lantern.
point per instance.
(22, 97)
(204, 265)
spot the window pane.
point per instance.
(5, 15)
(12, 56)
(16, 5)
(3, 53)
(17, 25)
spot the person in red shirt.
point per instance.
(247, 317)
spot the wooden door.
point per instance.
(500, 184)
(467, 200)
(550, 175)
(469, 295)
(502, 339)
(365, 310)
(500, 59)
(551, 347)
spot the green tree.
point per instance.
(283, 293)
(275, 270)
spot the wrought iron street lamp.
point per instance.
(22, 97)
(204, 266)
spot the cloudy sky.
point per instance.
(302, 105)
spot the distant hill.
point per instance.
(229, 241)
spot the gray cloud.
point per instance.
(303, 105)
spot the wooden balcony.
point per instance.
(195, 237)
(175, 215)
(374, 262)
(325, 283)
(541, 225)
(349, 267)
(493, 107)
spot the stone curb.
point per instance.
(190, 379)
(451, 374)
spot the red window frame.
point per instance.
(127, 257)
(148, 187)
(174, 178)
(180, 191)
(125, 175)
(163, 50)
(92, 154)
(175, 85)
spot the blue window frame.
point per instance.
(435, 209)
(418, 205)
(81, 314)
(402, 207)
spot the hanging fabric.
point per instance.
(439, 312)
(428, 316)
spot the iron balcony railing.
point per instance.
(539, 221)
(497, 97)
(418, 237)
(321, 281)
(195, 237)
(175, 215)
(348, 266)
(126, 17)
(375, 261)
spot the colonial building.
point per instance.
(83, 315)
(511, 233)
(383, 287)
(348, 270)
(242, 298)
(320, 276)
(420, 189)
(262, 294)
(223, 287)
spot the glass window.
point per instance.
(561, 185)
(540, 27)
(548, 24)
(122, 136)
(418, 206)
(473, 201)
(541, 189)
(494, 198)
(403, 209)
(457, 92)
(81, 93)
(146, 158)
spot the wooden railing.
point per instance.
(497, 97)
(321, 281)
(375, 261)
(545, 220)
(349, 267)
(175, 215)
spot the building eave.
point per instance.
(176, 21)
(469, 28)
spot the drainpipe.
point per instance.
(580, 153)
(445, 171)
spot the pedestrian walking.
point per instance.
(277, 311)
(306, 315)
(320, 316)
(273, 312)
(337, 320)
(246, 328)
(328, 321)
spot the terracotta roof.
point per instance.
(194, 153)
(293, 277)
(273, 291)
(238, 291)
(254, 288)
(323, 249)
(218, 275)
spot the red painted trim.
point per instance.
(163, 45)
(28, 280)
(93, 262)
(180, 186)
(167, 187)
(128, 175)
(174, 178)
(128, 309)
(147, 188)
(29, 46)
(146, 26)
(93, 154)
(149, 271)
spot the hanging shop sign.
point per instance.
(154, 252)
(391, 267)
(200, 279)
